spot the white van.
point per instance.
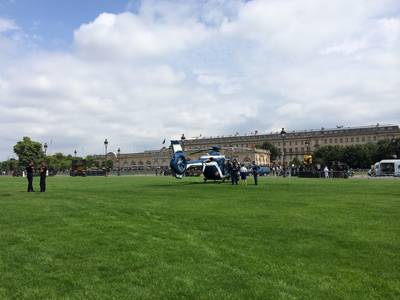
(387, 167)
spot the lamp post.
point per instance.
(75, 153)
(105, 155)
(183, 138)
(283, 135)
(393, 145)
(45, 149)
(119, 165)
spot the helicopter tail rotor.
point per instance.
(178, 162)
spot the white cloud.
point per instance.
(7, 25)
(213, 67)
(128, 36)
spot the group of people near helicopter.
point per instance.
(239, 171)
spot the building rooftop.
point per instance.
(322, 129)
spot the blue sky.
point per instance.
(55, 20)
(73, 73)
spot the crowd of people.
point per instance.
(237, 171)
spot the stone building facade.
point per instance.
(160, 159)
(242, 147)
(298, 143)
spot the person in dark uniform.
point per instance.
(254, 169)
(43, 173)
(234, 172)
(229, 168)
(29, 175)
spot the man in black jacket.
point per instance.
(43, 173)
(29, 175)
(234, 172)
(254, 169)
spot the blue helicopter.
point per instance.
(214, 164)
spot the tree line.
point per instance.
(358, 156)
(27, 150)
(355, 156)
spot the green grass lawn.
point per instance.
(148, 237)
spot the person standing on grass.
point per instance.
(43, 174)
(326, 171)
(254, 169)
(234, 172)
(29, 175)
(243, 174)
(236, 169)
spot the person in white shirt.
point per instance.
(243, 174)
(326, 171)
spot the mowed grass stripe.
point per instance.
(149, 237)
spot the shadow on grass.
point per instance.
(191, 183)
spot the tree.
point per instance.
(355, 156)
(274, 151)
(359, 156)
(27, 150)
(387, 149)
(9, 165)
(327, 154)
(91, 162)
(295, 161)
(108, 164)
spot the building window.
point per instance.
(341, 140)
(330, 141)
(295, 143)
(347, 140)
(290, 143)
(352, 140)
(296, 149)
(357, 139)
(335, 140)
(290, 149)
(363, 139)
(374, 138)
(326, 141)
(302, 149)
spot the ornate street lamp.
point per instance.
(119, 165)
(45, 149)
(105, 155)
(283, 136)
(105, 148)
(75, 153)
(183, 138)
